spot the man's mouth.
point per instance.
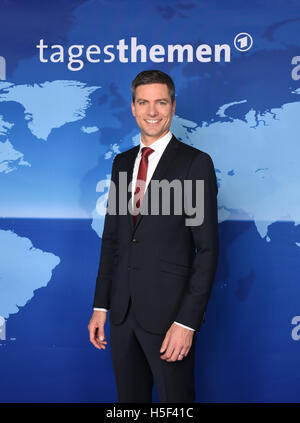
(152, 121)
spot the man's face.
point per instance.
(153, 111)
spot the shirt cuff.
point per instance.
(179, 324)
(187, 327)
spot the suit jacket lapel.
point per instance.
(130, 167)
(131, 162)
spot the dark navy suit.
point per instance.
(158, 271)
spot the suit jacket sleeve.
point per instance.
(108, 249)
(205, 237)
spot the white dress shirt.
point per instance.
(159, 147)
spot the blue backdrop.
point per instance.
(65, 113)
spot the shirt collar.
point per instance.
(158, 145)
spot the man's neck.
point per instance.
(150, 140)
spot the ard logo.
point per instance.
(243, 41)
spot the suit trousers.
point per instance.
(137, 364)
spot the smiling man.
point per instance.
(156, 272)
(153, 110)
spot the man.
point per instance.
(156, 271)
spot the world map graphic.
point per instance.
(59, 133)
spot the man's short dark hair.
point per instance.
(153, 77)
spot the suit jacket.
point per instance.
(165, 266)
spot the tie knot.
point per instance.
(146, 151)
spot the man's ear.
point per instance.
(173, 107)
(133, 108)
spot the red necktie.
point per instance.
(141, 177)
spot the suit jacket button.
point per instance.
(128, 268)
(134, 240)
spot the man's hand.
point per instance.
(177, 343)
(96, 329)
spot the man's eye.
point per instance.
(142, 102)
(162, 103)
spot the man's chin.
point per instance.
(154, 134)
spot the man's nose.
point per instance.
(152, 110)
